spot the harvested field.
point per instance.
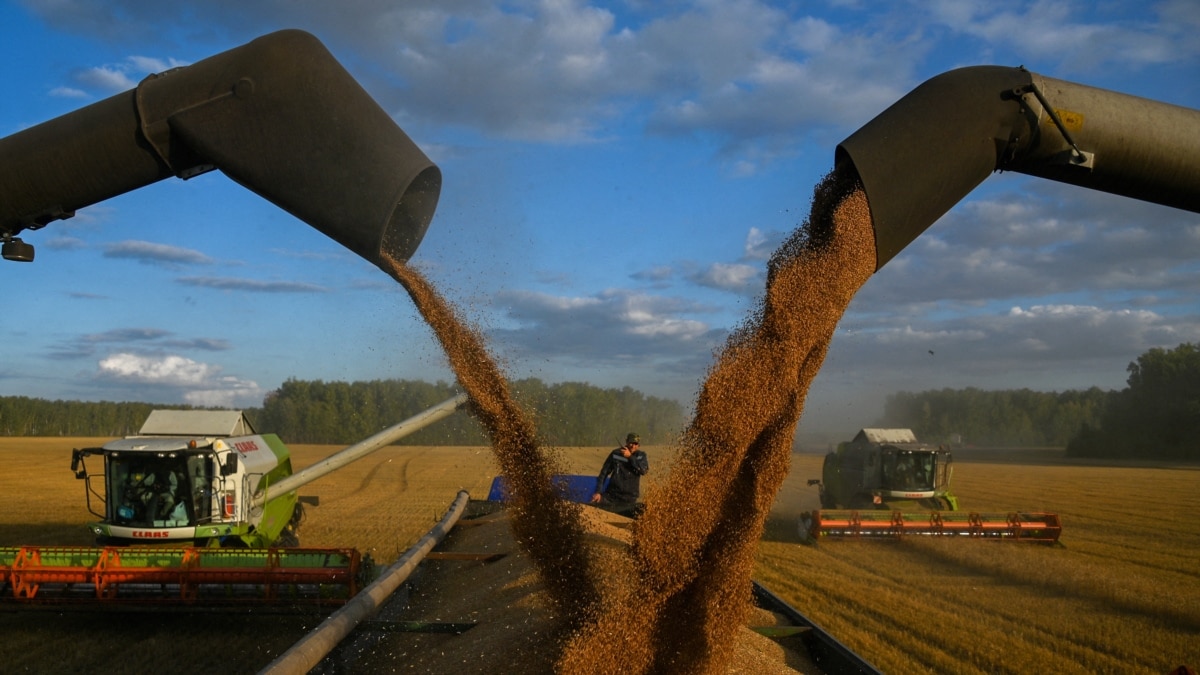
(1121, 595)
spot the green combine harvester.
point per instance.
(873, 486)
(198, 508)
(200, 500)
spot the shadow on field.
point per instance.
(87, 640)
(1058, 457)
(1043, 571)
(783, 528)
(45, 534)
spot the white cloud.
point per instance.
(761, 244)
(197, 383)
(233, 393)
(735, 277)
(175, 371)
(1151, 35)
(107, 79)
(68, 92)
(610, 326)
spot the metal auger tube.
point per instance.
(307, 654)
(362, 448)
(922, 155)
(278, 115)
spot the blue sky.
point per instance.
(615, 176)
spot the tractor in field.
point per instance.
(886, 469)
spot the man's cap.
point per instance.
(633, 438)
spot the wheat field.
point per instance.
(1120, 595)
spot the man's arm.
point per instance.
(605, 471)
(640, 463)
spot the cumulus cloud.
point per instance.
(105, 79)
(115, 78)
(176, 371)
(229, 392)
(1059, 31)
(612, 327)
(1017, 244)
(1096, 279)
(68, 92)
(760, 244)
(734, 277)
(197, 383)
(567, 71)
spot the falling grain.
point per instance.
(546, 527)
(694, 546)
(683, 590)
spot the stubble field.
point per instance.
(1121, 595)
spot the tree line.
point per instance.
(1000, 418)
(314, 411)
(25, 416)
(1157, 416)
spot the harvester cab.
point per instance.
(885, 468)
(187, 478)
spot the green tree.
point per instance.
(1156, 416)
(1007, 417)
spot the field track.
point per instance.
(1122, 595)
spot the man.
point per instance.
(623, 470)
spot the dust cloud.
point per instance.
(685, 588)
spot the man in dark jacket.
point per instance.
(623, 469)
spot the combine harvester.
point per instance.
(280, 116)
(221, 503)
(870, 486)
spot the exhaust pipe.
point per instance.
(922, 155)
(278, 115)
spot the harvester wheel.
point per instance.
(806, 523)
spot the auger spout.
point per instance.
(922, 155)
(279, 115)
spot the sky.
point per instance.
(615, 177)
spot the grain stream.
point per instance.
(549, 529)
(685, 588)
